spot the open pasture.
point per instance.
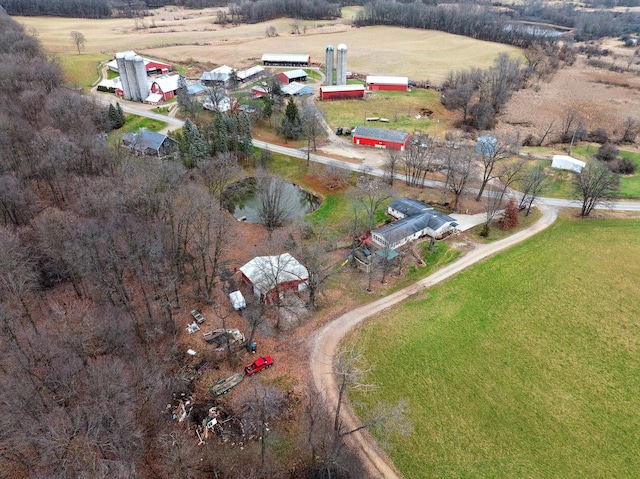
(526, 365)
(179, 35)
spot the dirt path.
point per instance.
(325, 342)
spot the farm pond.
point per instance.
(249, 199)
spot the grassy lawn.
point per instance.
(135, 122)
(81, 71)
(400, 108)
(527, 365)
(630, 185)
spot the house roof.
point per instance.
(295, 88)
(265, 272)
(249, 72)
(409, 207)
(409, 225)
(196, 89)
(337, 88)
(380, 134)
(167, 83)
(388, 80)
(286, 57)
(145, 139)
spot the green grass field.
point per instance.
(400, 108)
(525, 366)
(81, 71)
(135, 122)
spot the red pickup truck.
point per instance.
(258, 365)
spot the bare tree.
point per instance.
(218, 172)
(533, 184)
(417, 161)
(630, 130)
(491, 153)
(459, 167)
(391, 163)
(596, 185)
(372, 192)
(274, 206)
(78, 40)
(311, 127)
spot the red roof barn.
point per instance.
(387, 83)
(340, 92)
(379, 138)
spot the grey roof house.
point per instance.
(150, 143)
(414, 220)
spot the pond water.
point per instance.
(244, 198)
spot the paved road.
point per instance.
(326, 341)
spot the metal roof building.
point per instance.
(379, 138)
(286, 59)
(295, 88)
(244, 75)
(387, 83)
(341, 92)
(147, 142)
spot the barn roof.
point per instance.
(388, 80)
(286, 57)
(295, 73)
(220, 74)
(338, 88)
(380, 134)
(167, 83)
(265, 272)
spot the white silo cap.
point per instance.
(342, 46)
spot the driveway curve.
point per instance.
(326, 341)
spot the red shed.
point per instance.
(291, 76)
(387, 83)
(163, 88)
(379, 138)
(340, 92)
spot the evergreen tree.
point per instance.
(246, 144)
(121, 117)
(185, 102)
(291, 126)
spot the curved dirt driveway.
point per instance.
(325, 343)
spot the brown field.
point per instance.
(180, 35)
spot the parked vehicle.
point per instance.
(225, 385)
(258, 365)
(197, 315)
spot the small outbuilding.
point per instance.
(273, 276)
(237, 300)
(291, 76)
(286, 59)
(387, 83)
(564, 162)
(150, 143)
(341, 92)
(380, 138)
(296, 89)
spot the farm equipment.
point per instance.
(226, 384)
(220, 337)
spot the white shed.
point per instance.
(564, 162)
(237, 300)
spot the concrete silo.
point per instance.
(124, 79)
(341, 65)
(141, 77)
(130, 73)
(329, 64)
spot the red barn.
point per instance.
(163, 88)
(272, 276)
(341, 92)
(387, 83)
(152, 66)
(379, 138)
(291, 76)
